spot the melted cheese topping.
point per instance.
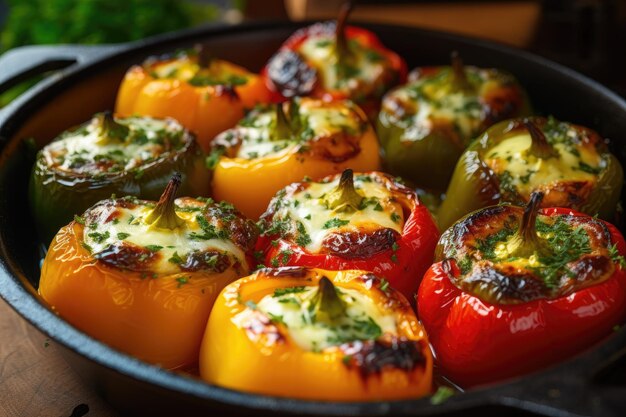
(433, 98)
(318, 119)
(366, 66)
(187, 69)
(87, 150)
(363, 319)
(170, 244)
(309, 208)
(526, 172)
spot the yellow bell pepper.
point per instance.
(207, 96)
(275, 146)
(143, 278)
(316, 334)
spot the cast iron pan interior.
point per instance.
(594, 383)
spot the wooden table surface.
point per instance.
(35, 380)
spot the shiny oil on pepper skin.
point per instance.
(365, 221)
(111, 155)
(143, 277)
(425, 125)
(334, 61)
(570, 164)
(315, 334)
(514, 290)
(205, 94)
(283, 143)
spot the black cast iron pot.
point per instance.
(594, 383)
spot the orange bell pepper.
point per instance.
(207, 96)
(273, 147)
(316, 334)
(143, 278)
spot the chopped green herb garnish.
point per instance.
(442, 395)
(279, 292)
(175, 259)
(99, 237)
(182, 281)
(122, 235)
(335, 223)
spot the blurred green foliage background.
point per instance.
(99, 21)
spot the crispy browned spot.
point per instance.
(336, 148)
(291, 74)
(501, 103)
(566, 193)
(125, 255)
(359, 243)
(206, 260)
(226, 90)
(286, 271)
(373, 357)
(258, 326)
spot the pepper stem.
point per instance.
(204, 55)
(110, 130)
(345, 198)
(340, 30)
(539, 146)
(164, 214)
(326, 301)
(525, 242)
(459, 77)
(283, 128)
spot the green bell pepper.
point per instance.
(570, 164)
(425, 125)
(134, 156)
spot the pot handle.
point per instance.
(23, 63)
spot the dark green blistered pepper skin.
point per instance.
(475, 185)
(425, 125)
(57, 195)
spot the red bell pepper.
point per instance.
(333, 61)
(503, 301)
(364, 221)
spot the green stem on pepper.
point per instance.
(526, 242)
(204, 55)
(539, 147)
(345, 198)
(343, 51)
(326, 302)
(164, 214)
(109, 130)
(459, 77)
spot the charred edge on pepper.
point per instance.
(357, 244)
(374, 357)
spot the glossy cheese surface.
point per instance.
(362, 320)
(378, 210)
(317, 119)
(365, 65)
(90, 150)
(171, 245)
(526, 172)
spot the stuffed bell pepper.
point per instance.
(124, 156)
(570, 164)
(425, 125)
(277, 145)
(365, 221)
(334, 61)
(143, 277)
(207, 95)
(315, 334)
(515, 289)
